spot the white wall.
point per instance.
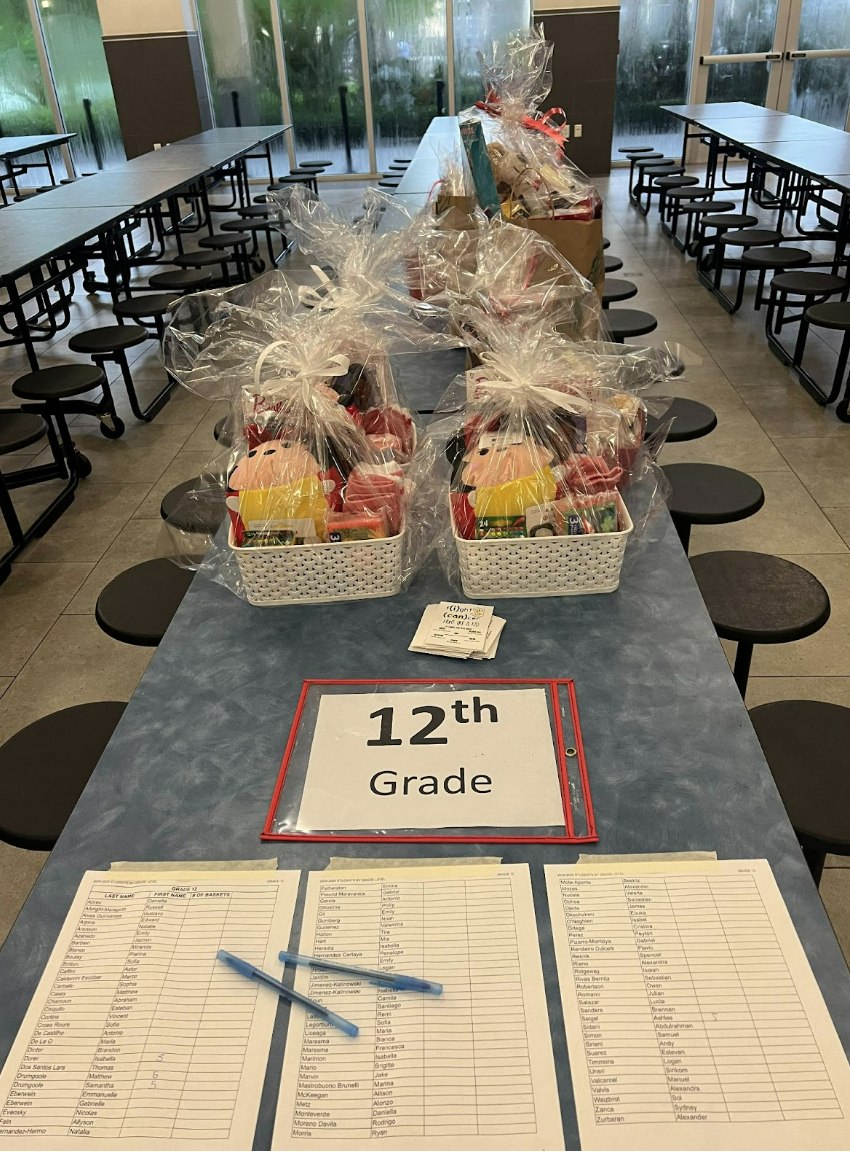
(145, 17)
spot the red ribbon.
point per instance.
(542, 122)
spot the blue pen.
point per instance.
(387, 979)
(252, 973)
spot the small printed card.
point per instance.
(461, 630)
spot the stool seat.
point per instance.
(110, 338)
(676, 181)
(775, 257)
(834, 314)
(809, 283)
(697, 207)
(690, 192)
(137, 606)
(618, 290)
(202, 259)
(153, 305)
(625, 322)
(231, 240)
(45, 767)
(654, 161)
(751, 237)
(712, 494)
(220, 433)
(805, 744)
(691, 420)
(203, 515)
(606, 243)
(254, 210)
(60, 382)
(613, 264)
(317, 164)
(729, 220)
(664, 172)
(758, 598)
(249, 224)
(642, 148)
(183, 281)
(19, 429)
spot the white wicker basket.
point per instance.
(321, 573)
(544, 566)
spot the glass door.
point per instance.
(816, 74)
(744, 58)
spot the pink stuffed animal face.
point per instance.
(501, 458)
(272, 463)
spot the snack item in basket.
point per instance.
(279, 489)
(344, 526)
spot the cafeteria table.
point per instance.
(16, 147)
(31, 239)
(259, 136)
(672, 757)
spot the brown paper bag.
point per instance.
(580, 241)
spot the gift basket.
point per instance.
(313, 491)
(536, 185)
(537, 479)
(510, 272)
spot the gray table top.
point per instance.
(110, 189)
(30, 234)
(765, 129)
(258, 134)
(813, 157)
(21, 145)
(199, 158)
(727, 109)
(672, 757)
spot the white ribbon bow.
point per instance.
(326, 294)
(300, 368)
(510, 376)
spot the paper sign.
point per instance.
(434, 759)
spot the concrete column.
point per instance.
(156, 66)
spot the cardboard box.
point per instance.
(580, 241)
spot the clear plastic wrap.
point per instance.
(310, 502)
(534, 178)
(214, 338)
(538, 477)
(511, 273)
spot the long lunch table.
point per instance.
(46, 227)
(15, 147)
(673, 761)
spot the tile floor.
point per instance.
(52, 653)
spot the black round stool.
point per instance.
(257, 211)
(835, 316)
(53, 390)
(137, 606)
(754, 598)
(665, 183)
(110, 343)
(155, 305)
(45, 767)
(613, 264)
(636, 149)
(204, 258)
(187, 280)
(773, 258)
(202, 516)
(238, 241)
(710, 494)
(221, 434)
(606, 243)
(691, 421)
(254, 227)
(693, 210)
(625, 322)
(616, 290)
(805, 744)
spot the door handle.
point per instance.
(773, 56)
(796, 55)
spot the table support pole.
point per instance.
(741, 671)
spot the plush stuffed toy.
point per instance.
(278, 494)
